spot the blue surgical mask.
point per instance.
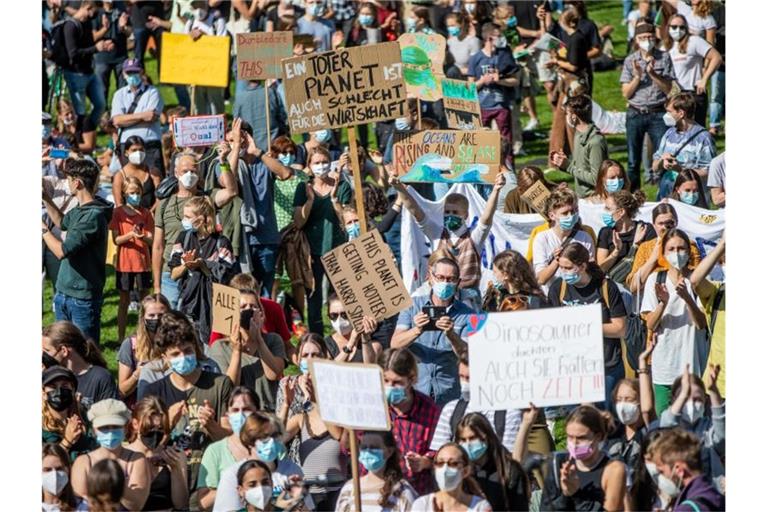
(46, 131)
(110, 439)
(454, 31)
(402, 124)
(475, 449)
(366, 20)
(444, 291)
(237, 420)
(133, 79)
(269, 450)
(395, 394)
(571, 277)
(286, 158)
(567, 222)
(184, 365)
(187, 225)
(304, 366)
(608, 219)
(317, 10)
(353, 230)
(373, 459)
(689, 197)
(614, 185)
(512, 22)
(323, 136)
(133, 199)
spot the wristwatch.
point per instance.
(346, 350)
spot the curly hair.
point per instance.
(175, 330)
(518, 273)
(628, 201)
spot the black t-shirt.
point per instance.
(605, 239)
(120, 39)
(141, 11)
(587, 27)
(525, 12)
(578, 47)
(95, 385)
(592, 294)
(488, 479)
(80, 47)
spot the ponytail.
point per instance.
(579, 255)
(68, 334)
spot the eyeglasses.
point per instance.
(334, 316)
(444, 279)
(451, 463)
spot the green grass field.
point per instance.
(607, 93)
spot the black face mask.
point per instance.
(49, 360)
(60, 399)
(152, 439)
(152, 324)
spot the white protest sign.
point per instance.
(350, 395)
(198, 130)
(547, 357)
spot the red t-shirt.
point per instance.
(274, 321)
(133, 256)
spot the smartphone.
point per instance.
(245, 318)
(59, 153)
(434, 313)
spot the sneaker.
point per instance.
(133, 306)
(520, 152)
(533, 123)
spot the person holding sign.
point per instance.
(345, 344)
(383, 488)
(584, 478)
(526, 178)
(413, 416)
(434, 328)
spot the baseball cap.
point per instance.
(132, 66)
(109, 412)
(58, 372)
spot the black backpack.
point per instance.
(499, 419)
(59, 53)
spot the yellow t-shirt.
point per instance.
(708, 292)
(538, 229)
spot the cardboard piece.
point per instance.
(365, 276)
(461, 104)
(536, 197)
(198, 130)
(346, 87)
(547, 42)
(226, 308)
(447, 156)
(547, 357)
(423, 57)
(203, 62)
(259, 54)
(350, 395)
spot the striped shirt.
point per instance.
(369, 499)
(443, 432)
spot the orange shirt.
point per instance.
(133, 256)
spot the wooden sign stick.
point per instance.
(266, 106)
(355, 470)
(355, 161)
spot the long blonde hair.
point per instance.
(145, 350)
(201, 205)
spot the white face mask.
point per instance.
(645, 45)
(447, 478)
(669, 119)
(189, 179)
(464, 389)
(693, 411)
(137, 157)
(677, 259)
(341, 326)
(676, 33)
(627, 412)
(259, 497)
(321, 169)
(55, 481)
(668, 487)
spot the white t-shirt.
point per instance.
(443, 432)
(696, 24)
(689, 65)
(426, 504)
(544, 246)
(677, 335)
(227, 498)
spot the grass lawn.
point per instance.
(607, 93)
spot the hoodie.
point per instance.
(83, 267)
(699, 496)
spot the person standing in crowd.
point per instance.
(698, 16)
(314, 23)
(621, 236)
(144, 17)
(646, 80)
(461, 45)
(716, 180)
(252, 109)
(136, 110)
(82, 274)
(111, 23)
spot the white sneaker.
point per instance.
(532, 125)
(133, 306)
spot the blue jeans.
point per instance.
(637, 126)
(84, 313)
(81, 86)
(170, 289)
(315, 299)
(104, 69)
(263, 258)
(626, 8)
(717, 102)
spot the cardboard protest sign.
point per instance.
(536, 197)
(259, 54)
(342, 88)
(202, 62)
(447, 156)
(350, 395)
(365, 276)
(198, 130)
(226, 308)
(546, 357)
(423, 57)
(461, 104)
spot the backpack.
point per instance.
(499, 418)
(59, 54)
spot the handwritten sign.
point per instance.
(350, 395)
(448, 156)
(546, 357)
(202, 62)
(259, 54)
(461, 104)
(226, 308)
(423, 57)
(536, 197)
(346, 87)
(366, 279)
(198, 130)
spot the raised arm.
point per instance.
(493, 199)
(706, 265)
(647, 403)
(408, 202)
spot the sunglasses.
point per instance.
(334, 316)
(677, 26)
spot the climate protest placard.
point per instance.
(461, 104)
(198, 130)
(259, 54)
(423, 57)
(203, 62)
